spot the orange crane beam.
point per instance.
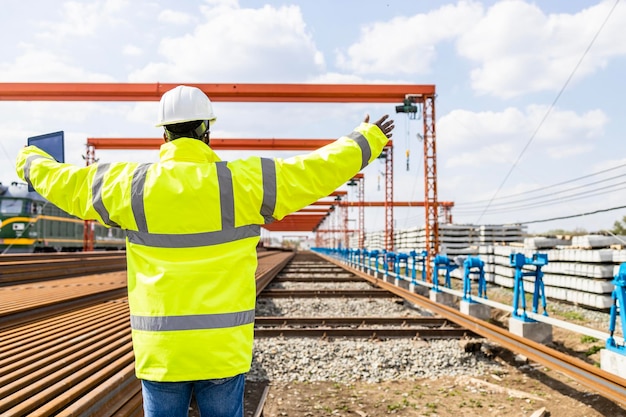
(313, 210)
(394, 204)
(234, 144)
(337, 231)
(295, 223)
(284, 93)
(306, 93)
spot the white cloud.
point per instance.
(567, 151)
(81, 19)
(47, 66)
(174, 17)
(237, 44)
(406, 44)
(474, 138)
(566, 125)
(132, 50)
(519, 49)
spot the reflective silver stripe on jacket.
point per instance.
(227, 198)
(191, 322)
(27, 165)
(137, 203)
(96, 193)
(268, 169)
(366, 151)
(192, 240)
(229, 232)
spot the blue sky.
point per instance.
(529, 113)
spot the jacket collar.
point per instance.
(187, 150)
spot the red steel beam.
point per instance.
(321, 93)
(337, 231)
(309, 93)
(395, 203)
(234, 144)
(295, 223)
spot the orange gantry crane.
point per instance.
(423, 95)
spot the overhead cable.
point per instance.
(549, 110)
(574, 215)
(477, 202)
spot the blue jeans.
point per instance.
(215, 397)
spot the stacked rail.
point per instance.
(78, 362)
(37, 267)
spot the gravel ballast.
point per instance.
(345, 360)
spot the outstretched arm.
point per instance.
(304, 179)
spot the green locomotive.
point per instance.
(29, 223)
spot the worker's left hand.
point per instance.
(385, 125)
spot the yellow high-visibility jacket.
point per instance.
(192, 225)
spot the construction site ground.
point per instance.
(524, 389)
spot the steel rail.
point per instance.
(279, 293)
(23, 303)
(598, 380)
(261, 405)
(373, 333)
(60, 307)
(359, 327)
(268, 268)
(21, 257)
(351, 321)
(60, 272)
(316, 279)
(79, 362)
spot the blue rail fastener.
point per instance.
(619, 298)
(474, 265)
(518, 260)
(442, 262)
(402, 259)
(421, 258)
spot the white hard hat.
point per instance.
(184, 104)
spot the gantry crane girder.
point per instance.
(295, 223)
(311, 93)
(394, 204)
(230, 144)
(283, 93)
(223, 144)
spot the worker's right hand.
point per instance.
(385, 125)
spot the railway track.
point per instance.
(362, 327)
(609, 385)
(308, 279)
(77, 360)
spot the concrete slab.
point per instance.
(536, 331)
(613, 362)
(442, 298)
(419, 289)
(480, 311)
(402, 283)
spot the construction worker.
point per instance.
(192, 226)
